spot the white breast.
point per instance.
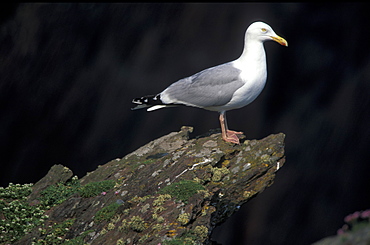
(248, 93)
(254, 74)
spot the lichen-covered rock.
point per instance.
(174, 189)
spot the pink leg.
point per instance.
(228, 135)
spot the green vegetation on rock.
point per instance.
(58, 193)
(54, 234)
(107, 212)
(17, 217)
(95, 188)
(182, 190)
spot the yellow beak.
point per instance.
(280, 40)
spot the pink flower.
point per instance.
(365, 214)
(116, 193)
(104, 193)
(348, 218)
(356, 215)
(352, 217)
(343, 230)
(340, 232)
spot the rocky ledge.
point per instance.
(173, 190)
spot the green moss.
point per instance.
(17, 217)
(107, 212)
(182, 190)
(95, 188)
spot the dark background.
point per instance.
(69, 72)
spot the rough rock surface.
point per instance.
(174, 190)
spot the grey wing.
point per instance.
(211, 87)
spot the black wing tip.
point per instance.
(147, 101)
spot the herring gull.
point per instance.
(224, 87)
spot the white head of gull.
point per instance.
(225, 87)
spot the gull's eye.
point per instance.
(263, 30)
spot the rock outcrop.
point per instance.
(173, 190)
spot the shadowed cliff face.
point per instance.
(69, 72)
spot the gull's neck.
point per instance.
(253, 56)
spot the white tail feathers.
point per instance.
(156, 107)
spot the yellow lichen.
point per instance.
(160, 219)
(265, 158)
(111, 226)
(158, 209)
(199, 181)
(157, 218)
(103, 231)
(171, 233)
(157, 227)
(201, 231)
(205, 193)
(225, 163)
(140, 199)
(159, 201)
(137, 224)
(218, 173)
(115, 219)
(143, 238)
(126, 211)
(120, 242)
(207, 209)
(124, 225)
(145, 208)
(247, 194)
(184, 219)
